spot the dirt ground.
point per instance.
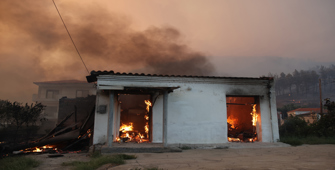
(286, 157)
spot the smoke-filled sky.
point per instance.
(189, 37)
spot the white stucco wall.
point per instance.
(101, 119)
(197, 114)
(197, 111)
(157, 120)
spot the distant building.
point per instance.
(308, 114)
(49, 93)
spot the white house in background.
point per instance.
(49, 93)
(308, 114)
(185, 109)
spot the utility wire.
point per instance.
(70, 36)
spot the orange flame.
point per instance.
(148, 103)
(254, 115)
(146, 127)
(126, 128)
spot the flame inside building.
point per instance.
(243, 119)
(135, 118)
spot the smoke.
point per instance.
(35, 46)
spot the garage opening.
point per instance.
(243, 119)
(135, 118)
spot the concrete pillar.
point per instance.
(110, 119)
(165, 111)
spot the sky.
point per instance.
(189, 37)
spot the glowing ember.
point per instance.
(40, 149)
(252, 139)
(254, 115)
(234, 139)
(89, 133)
(37, 150)
(139, 138)
(148, 103)
(140, 135)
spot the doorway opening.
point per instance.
(135, 125)
(243, 119)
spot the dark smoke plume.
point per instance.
(35, 46)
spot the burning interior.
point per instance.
(243, 119)
(135, 119)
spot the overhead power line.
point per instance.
(70, 37)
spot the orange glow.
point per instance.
(148, 103)
(126, 128)
(232, 121)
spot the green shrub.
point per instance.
(325, 126)
(295, 126)
(294, 141)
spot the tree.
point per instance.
(289, 80)
(325, 126)
(18, 115)
(296, 80)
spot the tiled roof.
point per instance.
(62, 82)
(94, 74)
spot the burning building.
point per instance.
(177, 110)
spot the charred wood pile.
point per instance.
(74, 136)
(236, 134)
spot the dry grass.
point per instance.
(18, 163)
